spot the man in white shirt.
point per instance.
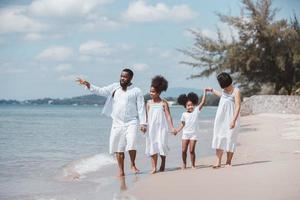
(125, 104)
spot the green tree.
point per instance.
(265, 50)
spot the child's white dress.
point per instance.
(224, 137)
(157, 135)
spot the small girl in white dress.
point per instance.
(159, 123)
(190, 124)
(227, 119)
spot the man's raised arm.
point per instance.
(102, 91)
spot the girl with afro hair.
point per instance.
(159, 123)
(190, 124)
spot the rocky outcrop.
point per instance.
(271, 104)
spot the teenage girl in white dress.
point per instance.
(159, 124)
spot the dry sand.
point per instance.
(265, 166)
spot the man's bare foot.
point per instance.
(153, 171)
(135, 169)
(193, 167)
(183, 167)
(161, 169)
(228, 165)
(121, 175)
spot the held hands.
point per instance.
(208, 89)
(83, 82)
(143, 128)
(174, 131)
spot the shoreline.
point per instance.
(265, 166)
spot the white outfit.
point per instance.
(127, 109)
(157, 135)
(224, 137)
(123, 138)
(191, 124)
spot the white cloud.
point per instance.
(15, 19)
(124, 47)
(140, 66)
(64, 8)
(70, 77)
(94, 48)
(156, 51)
(206, 32)
(56, 53)
(226, 31)
(7, 67)
(13, 71)
(95, 22)
(62, 67)
(140, 11)
(33, 37)
(55, 16)
(167, 54)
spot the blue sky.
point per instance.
(45, 44)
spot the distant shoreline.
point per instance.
(88, 100)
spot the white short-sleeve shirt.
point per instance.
(191, 120)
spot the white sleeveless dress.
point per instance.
(157, 135)
(224, 137)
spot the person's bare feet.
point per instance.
(162, 169)
(183, 167)
(228, 165)
(121, 175)
(135, 169)
(153, 171)
(216, 166)
(193, 167)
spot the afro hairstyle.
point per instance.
(159, 83)
(183, 98)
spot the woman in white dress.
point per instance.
(159, 122)
(227, 119)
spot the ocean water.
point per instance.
(60, 152)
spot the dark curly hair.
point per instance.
(159, 83)
(183, 98)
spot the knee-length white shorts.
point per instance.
(123, 138)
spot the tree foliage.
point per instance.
(265, 50)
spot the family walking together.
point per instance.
(126, 106)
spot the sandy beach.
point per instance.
(265, 166)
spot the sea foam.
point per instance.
(78, 168)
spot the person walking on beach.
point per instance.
(160, 124)
(125, 104)
(227, 119)
(190, 124)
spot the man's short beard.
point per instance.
(125, 84)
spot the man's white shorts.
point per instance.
(123, 138)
